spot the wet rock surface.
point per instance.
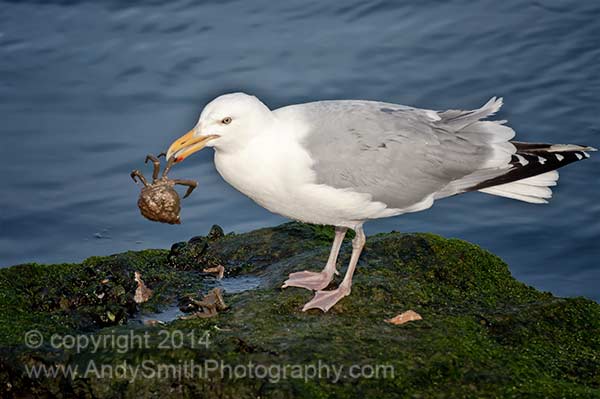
(483, 334)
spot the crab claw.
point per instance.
(137, 174)
(191, 184)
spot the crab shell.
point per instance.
(160, 202)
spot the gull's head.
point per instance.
(227, 122)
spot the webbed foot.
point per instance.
(324, 300)
(309, 280)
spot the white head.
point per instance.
(226, 123)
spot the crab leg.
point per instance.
(190, 183)
(156, 163)
(170, 163)
(137, 173)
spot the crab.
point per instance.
(159, 201)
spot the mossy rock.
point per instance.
(483, 333)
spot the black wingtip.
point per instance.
(532, 159)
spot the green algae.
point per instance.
(483, 333)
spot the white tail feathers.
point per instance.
(532, 189)
(569, 147)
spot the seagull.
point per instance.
(345, 162)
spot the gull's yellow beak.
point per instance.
(187, 144)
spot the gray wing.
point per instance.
(402, 155)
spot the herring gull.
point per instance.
(345, 162)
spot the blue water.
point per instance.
(88, 88)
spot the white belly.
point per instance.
(278, 176)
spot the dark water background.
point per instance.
(87, 88)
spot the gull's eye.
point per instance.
(226, 121)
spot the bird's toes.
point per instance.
(305, 274)
(308, 280)
(325, 300)
(309, 285)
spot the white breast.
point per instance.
(275, 171)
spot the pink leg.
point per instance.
(318, 281)
(324, 300)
